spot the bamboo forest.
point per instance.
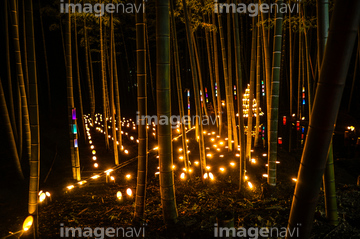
(180, 119)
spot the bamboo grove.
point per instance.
(282, 65)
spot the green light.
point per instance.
(74, 129)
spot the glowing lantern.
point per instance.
(96, 165)
(182, 176)
(126, 151)
(205, 175)
(74, 129)
(208, 167)
(82, 182)
(28, 223)
(294, 179)
(94, 152)
(128, 176)
(94, 158)
(253, 160)
(196, 163)
(129, 192)
(70, 187)
(42, 197)
(232, 164)
(73, 114)
(211, 176)
(265, 175)
(250, 185)
(119, 195)
(222, 169)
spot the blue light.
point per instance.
(74, 129)
(303, 101)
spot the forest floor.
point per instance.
(95, 204)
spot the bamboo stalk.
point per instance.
(34, 119)
(339, 47)
(239, 80)
(20, 80)
(275, 90)
(179, 89)
(167, 187)
(142, 110)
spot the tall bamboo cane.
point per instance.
(217, 78)
(179, 87)
(103, 80)
(117, 99)
(231, 106)
(275, 90)
(25, 65)
(8, 68)
(20, 78)
(81, 121)
(142, 110)
(336, 61)
(251, 97)
(258, 75)
(228, 88)
(74, 151)
(88, 75)
(34, 113)
(267, 70)
(329, 174)
(196, 89)
(291, 63)
(167, 187)
(210, 59)
(239, 80)
(45, 55)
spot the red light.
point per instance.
(302, 136)
(284, 120)
(280, 140)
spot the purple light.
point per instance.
(74, 114)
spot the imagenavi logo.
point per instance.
(253, 9)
